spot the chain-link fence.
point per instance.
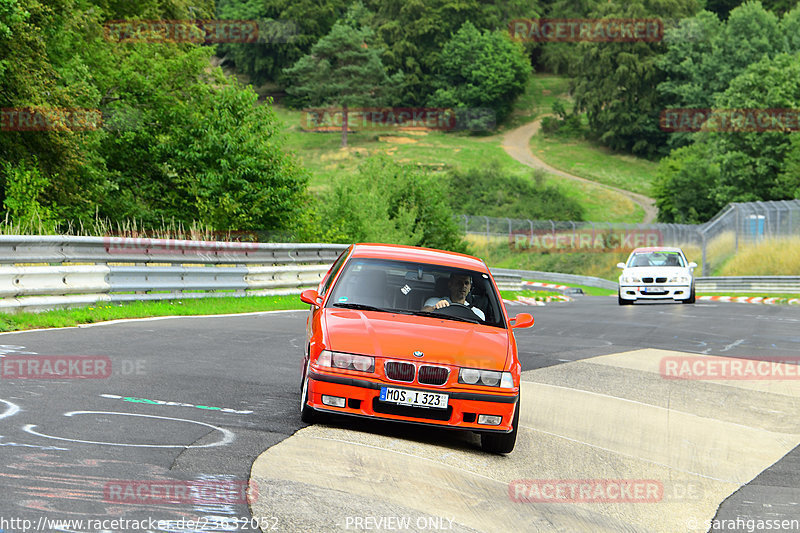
(720, 237)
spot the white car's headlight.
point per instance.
(631, 279)
(489, 378)
(679, 279)
(346, 361)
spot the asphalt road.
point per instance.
(191, 402)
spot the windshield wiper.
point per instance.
(447, 317)
(361, 307)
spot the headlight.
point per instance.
(679, 279)
(489, 378)
(346, 361)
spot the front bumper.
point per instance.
(655, 292)
(362, 399)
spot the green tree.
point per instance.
(617, 80)
(414, 32)
(684, 185)
(479, 70)
(736, 166)
(343, 70)
(751, 161)
(287, 31)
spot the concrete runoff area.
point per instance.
(587, 428)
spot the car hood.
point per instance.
(660, 272)
(398, 336)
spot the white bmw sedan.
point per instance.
(656, 274)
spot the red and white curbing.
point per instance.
(749, 300)
(546, 285)
(527, 300)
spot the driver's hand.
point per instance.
(441, 303)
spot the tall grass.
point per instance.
(131, 228)
(771, 257)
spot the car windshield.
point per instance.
(408, 287)
(656, 259)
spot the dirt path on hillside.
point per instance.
(517, 144)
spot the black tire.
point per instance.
(307, 414)
(501, 442)
(622, 301)
(691, 298)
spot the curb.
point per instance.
(750, 300)
(527, 300)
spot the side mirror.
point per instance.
(620, 265)
(522, 320)
(692, 265)
(311, 296)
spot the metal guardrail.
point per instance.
(154, 269)
(739, 284)
(74, 271)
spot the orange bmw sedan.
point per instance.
(413, 335)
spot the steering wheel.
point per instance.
(459, 311)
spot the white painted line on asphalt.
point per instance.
(10, 411)
(228, 436)
(732, 345)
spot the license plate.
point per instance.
(652, 289)
(416, 398)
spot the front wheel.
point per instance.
(691, 298)
(622, 301)
(502, 442)
(307, 414)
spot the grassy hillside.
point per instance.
(322, 154)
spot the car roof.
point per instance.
(657, 249)
(421, 255)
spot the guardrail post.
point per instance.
(706, 271)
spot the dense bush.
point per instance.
(389, 202)
(490, 191)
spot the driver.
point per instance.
(459, 286)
